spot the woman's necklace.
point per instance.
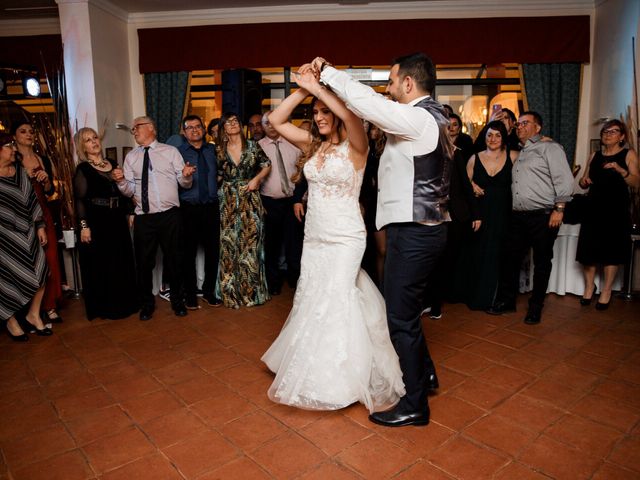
(101, 164)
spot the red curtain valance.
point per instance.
(366, 42)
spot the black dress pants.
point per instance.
(529, 229)
(412, 253)
(149, 231)
(281, 229)
(201, 228)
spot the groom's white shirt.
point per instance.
(410, 132)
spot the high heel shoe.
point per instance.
(41, 332)
(18, 338)
(587, 301)
(45, 332)
(603, 306)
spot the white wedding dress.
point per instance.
(334, 348)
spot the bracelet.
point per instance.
(324, 64)
(83, 225)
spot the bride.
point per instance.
(334, 348)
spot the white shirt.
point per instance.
(165, 173)
(410, 132)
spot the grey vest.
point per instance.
(432, 172)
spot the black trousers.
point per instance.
(441, 277)
(412, 253)
(527, 230)
(201, 228)
(149, 231)
(281, 229)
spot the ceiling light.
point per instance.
(31, 86)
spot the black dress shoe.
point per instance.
(499, 308)
(192, 304)
(585, 301)
(146, 313)
(602, 306)
(212, 300)
(180, 310)
(533, 317)
(397, 417)
(432, 382)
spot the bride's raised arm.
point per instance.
(353, 124)
(279, 119)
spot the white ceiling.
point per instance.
(25, 9)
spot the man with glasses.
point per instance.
(200, 213)
(542, 184)
(151, 174)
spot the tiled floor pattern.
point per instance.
(178, 398)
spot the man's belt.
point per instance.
(111, 202)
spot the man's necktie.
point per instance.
(145, 181)
(203, 177)
(284, 181)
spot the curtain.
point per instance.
(553, 90)
(165, 94)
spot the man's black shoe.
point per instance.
(212, 300)
(533, 317)
(146, 313)
(397, 417)
(192, 303)
(180, 310)
(432, 382)
(499, 308)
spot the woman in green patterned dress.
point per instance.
(242, 165)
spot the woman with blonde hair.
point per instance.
(106, 253)
(334, 348)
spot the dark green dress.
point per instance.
(242, 279)
(479, 267)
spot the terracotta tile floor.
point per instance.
(178, 398)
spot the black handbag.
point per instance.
(576, 210)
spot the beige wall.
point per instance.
(109, 42)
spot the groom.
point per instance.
(412, 204)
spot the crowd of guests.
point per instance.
(235, 198)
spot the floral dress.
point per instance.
(242, 279)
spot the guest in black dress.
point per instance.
(606, 228)
(461, 140)
(490, 175)
(508, 118)
(106, 252)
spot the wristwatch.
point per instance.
(559, 208)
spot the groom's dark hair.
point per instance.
(420, 68)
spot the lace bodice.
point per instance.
(332, 175)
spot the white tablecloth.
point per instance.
(566, 273)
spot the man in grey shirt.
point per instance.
(542, 184)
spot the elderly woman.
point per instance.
(604, 233)
(23, 266)
(106, 253)
(242, 165)
(39, 170)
